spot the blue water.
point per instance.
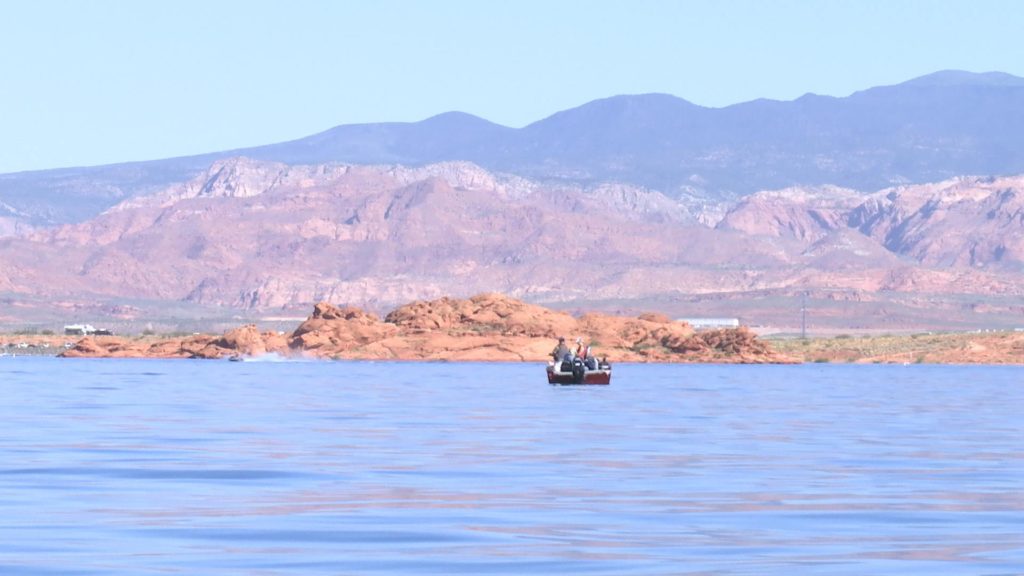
(193, 467)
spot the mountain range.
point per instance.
(895, 207)
(928, 129)
(256, 237)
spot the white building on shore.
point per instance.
(711, 323)
(85, 330)
(79, 329)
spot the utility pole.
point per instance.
(803, 315)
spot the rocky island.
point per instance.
(486, 327)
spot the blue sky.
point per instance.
(106, 81)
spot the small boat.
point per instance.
(579, 371)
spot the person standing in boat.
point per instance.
(561, 352)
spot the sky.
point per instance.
(107, 81)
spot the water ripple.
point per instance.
(426, 468)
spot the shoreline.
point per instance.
(1005, 348)
(495, 328)
(486, 327)
(953, 349)
(814, 351)
(996, 348)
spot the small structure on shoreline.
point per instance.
(86, 330)
(710, 323)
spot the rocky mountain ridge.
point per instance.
(974, 222)
(255, 235)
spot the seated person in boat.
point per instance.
(585, 353)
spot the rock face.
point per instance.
(487, 327)
(483, 314)
(259, 236)
(247, 341)
(333, 331)
(244, 341)
(116, 347)
(806, 215)
(964, 222)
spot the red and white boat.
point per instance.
(579, 371)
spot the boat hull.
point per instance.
(601, 376)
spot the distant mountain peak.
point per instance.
(647, 98)
(945, 78)
(616, 108)
(456, 118)
(625, 102)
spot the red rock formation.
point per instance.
(494, 327)
(487, 327)
(333, 331)
(485, 313)
(119, 347)
(244, 341)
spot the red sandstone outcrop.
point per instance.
(482, 314)
(119, 347)
(487, 327)
(245, 341)
(334, 332)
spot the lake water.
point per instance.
(206, 467)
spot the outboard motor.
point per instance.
(578, 370)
